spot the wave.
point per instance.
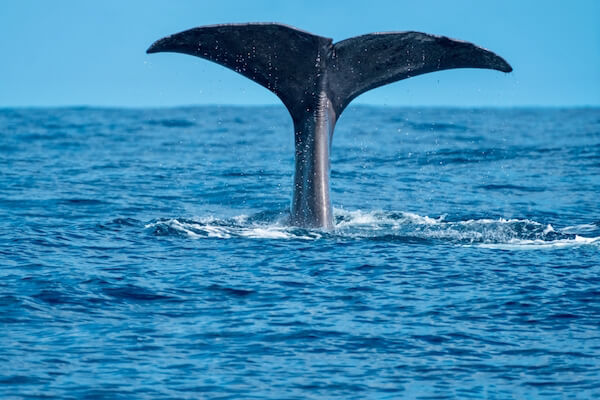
(501, 233)
(241, 226)
(172, 123)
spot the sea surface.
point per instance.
(146, 253)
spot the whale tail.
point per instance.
(317, 79)
(298, 66)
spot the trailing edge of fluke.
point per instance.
(316, 79)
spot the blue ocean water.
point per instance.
(146, 254)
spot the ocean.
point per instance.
(145, 253)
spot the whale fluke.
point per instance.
(278, 57)
(365, 62)
(316, 79)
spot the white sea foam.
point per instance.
(265, 233)
(202, 228)
(579, 228)
(517, 244)
(501, 233)
(210, 227)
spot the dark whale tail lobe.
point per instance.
(317, 79)
(278, 57)
(298, 66)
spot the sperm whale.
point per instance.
(317, 79)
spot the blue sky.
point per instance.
(67, 52)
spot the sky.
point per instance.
(92, 53)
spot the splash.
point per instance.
(501, 233)
(241, 226)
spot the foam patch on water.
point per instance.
(238, 226)
(501, 233)
(516, 244)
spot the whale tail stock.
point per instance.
(316, 79)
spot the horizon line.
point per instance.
(253, 105)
